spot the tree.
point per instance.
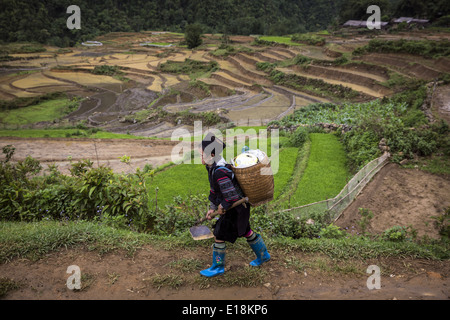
(192, 35)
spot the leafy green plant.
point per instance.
(265, 66)
(366, 217)
(442, 223)
(331, 231)
(399, 233)
(88, 193)
(287, 223)
(299, 137)
(370, 122)
(176, 217)
(302, 60)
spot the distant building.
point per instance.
(92, 43)
(410, 20)
(352, 23)
(362, 24)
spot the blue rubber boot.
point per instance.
(259, 248)
(218, 265)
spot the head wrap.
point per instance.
(211, 144)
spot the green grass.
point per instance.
(111, 135)
(181, 180)
(22, 47)
(439, 165)
(287, 160)
(192, 179)
(33, 240)
(326, 172)
(290, 179)
(45, 111)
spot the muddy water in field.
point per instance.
(86, 106)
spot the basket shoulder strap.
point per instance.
(226, 169)
(233, 180)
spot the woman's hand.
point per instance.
(208, 214)
(220, 210)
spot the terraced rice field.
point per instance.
(261, 102)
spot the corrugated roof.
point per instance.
(410, 20)
(362, 24)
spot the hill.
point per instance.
(44, 21)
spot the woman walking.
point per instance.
(233, 223)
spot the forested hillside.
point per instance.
(45, 20)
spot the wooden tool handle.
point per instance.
(215, 213)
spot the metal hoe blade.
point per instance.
(200, 232)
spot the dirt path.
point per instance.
(99, 151)
(154, 273)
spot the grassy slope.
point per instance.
(46, 111)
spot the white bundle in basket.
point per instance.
(254, 174)
(248, 158)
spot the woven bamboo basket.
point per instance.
(256, 182)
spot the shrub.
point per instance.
(262, 42)
(425, 48)
(287, 224)
(107, 70)
(301, 60)
(361, 146)
(331, 232)
(399, 233)
(89, 194)
(442, 223)
(189, 66)
(180, 215)
(265, 66)
(193, 35)
(299, 137)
